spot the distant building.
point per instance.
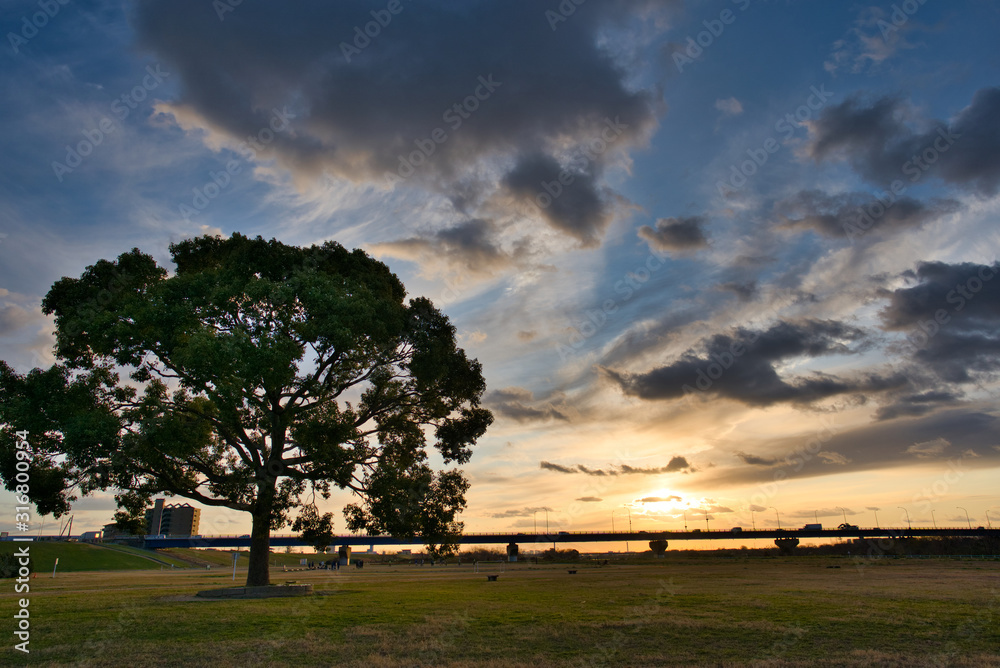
(176, 519)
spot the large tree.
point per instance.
(253, 376)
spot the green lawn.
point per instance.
(774, 612)
(87, 557)
(153, 555)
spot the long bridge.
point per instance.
(523, 538)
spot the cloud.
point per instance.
(675, 465)
(660, 499)
(847, 215)
(965, 290)
(754, 460)
(590, 499)
(549, 466)
(675, 234)
(208, 230)
(873, 39)
(929, 449)
(711, 509)
(873, 446)
(729, 106)
(475, 336)
(745, 291)
(438, 100)
(578, 208)
(742, 366)
(516, 403)
(881, 145)
(470, 248)
(833, 458)
(523, 512)
(14, 317)
(921, 403)
(951, 317)
(825, 512)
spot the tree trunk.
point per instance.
(258, 572)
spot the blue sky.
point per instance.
(764, 282)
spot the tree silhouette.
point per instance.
(252, 373)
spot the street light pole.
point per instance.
(843, 510)
(875, 510)
(547, 531)
(908, 525)
(629, 523)
(777, 515)
(933, 519)
(629, 511)
(967, 518)
(685, 519)
(753, 522)
(988, 525)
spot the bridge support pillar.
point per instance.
(659, 548)
(786, 546)
(344, 555)
(512, 551)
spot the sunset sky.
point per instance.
(715, 256)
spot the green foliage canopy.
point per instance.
(251, 374)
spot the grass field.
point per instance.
(711, 612)
(112, 557)
(224, 558)
(87, 557)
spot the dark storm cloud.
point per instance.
(883, 146)
(498, 81)
(742, 366)
(574, 205)
(967, 291)
(675, 234)
(675, 465)
(836, 215)
(951, 317)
